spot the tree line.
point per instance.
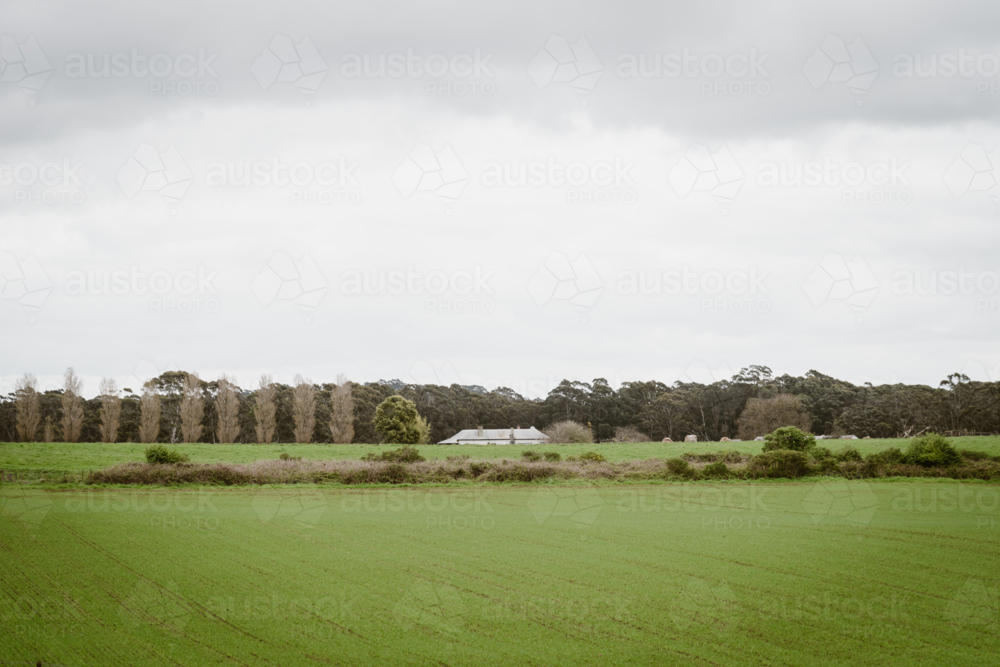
(181, 407)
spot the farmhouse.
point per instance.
(497, 436)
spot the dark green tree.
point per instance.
(396, 420)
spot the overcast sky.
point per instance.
(504, 195)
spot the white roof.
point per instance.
(499, 436)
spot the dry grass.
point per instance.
(371, 472)
(293, 471)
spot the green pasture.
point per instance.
(817, 573)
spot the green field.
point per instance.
(74, 457)
(829, 573)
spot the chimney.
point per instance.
(480, 432)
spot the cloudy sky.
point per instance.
(499, 195)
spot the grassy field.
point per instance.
(832, 573)
(81, 456)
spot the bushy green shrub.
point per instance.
(478, 468)
(402, 455)
(885, 457)
(717, 469)
(160, 454)
(828, 465)
(552, 456)
(821, 453)
(779, 463)
(789, 438)
(394, 473)
(970, 455)
(591, 456)
(731, 456)
(931, 451)
(847, 453)
(530, 455)
(679, 467)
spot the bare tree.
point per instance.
(763, 415)
(149, 417)
(72, 406)
(27, 408)
(227, 405)
(304, 409)
(568, 431)
(342, 412)
(49, 431)
(111, 410)
(265, 410)
(192, 409)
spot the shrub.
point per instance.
(828, 465)
(931, 451)
(789, 438)
(568, 432)
(731, 456)
(975, 456)
(779, 463)
(552, 456)
(530, 455)
(679, 467)
(402, 455)
(821, 453)
(591, 456)
(458, 458)
(717, 469)
(478, 468)
(885, 457)
(394, 473)
(847, 453)
(630, 434)
(284, 456)
(160, 454)
(572, 458)
(518, 473)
